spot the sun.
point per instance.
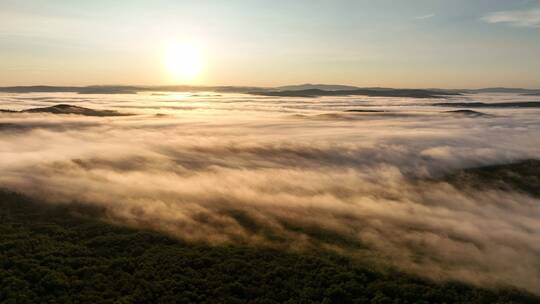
(184, 62)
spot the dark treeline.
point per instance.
(497, 105)
(55, 254)
(69, 109)
(523, 176)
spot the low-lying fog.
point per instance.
(293, 172)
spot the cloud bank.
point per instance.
(293, 173)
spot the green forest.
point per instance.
(56, 254)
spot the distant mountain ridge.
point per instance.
(414, 93)
(306, 88)
(309, 86)
(124, 89)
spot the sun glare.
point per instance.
(183, 62)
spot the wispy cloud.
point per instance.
(428, 16)
(524, 18)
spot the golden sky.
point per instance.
(419, 43)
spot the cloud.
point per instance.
(244, 170)
(423, 17)
(525, 18)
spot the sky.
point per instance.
(416, 43)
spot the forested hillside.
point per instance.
(60, 255)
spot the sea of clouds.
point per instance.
(298, 173)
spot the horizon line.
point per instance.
(264, 87)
